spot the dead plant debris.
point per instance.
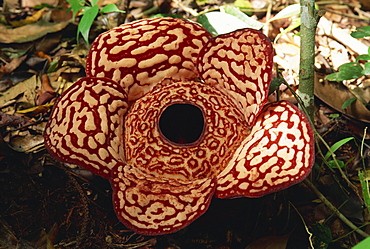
(51, 205)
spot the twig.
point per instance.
(191, 11)
(84, 199)
(334, 209)
(85, 209)
(348, 15)
(305, 226)
(123, 5)
(268, 16)
(350, 184)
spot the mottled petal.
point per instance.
(142, 53)
(223, 129)
(154, 205)
(239, 63)
(278, 154)
(86, 125)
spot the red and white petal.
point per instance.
(222, 131)
(278, 153)
(239, 63)
(153, 206)
(142, 53)
(86, 125)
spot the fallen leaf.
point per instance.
(47, 92)
(7, 238)
(335, 94)
(36, 110)
(29, 32)
(28, 20)
(27, 144)
(33, 3)
(23, 92)
(13, 64)
(326, 27)
(365, 4)
(12, 120)
(270, 242)
(322, 236)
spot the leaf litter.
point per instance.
(48, 204)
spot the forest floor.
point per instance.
(46, 204)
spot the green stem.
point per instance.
(309, 20)
(334, 209)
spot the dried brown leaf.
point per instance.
(24, 92)
(13, 64)
(7, 238)
(28, 20)
(47, 92)
(29, 32)
(12, 120)
(365, 4)
(335, 94)
(27, 144)
(270, 242)
(328, 28)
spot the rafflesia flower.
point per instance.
(173, 117)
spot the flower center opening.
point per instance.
(182, 123)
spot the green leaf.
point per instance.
(221, 23)
(234, 11)
(296, 22)
(227, 21)
(365, 244)
(167, 15)
(243, 4)
(93, 2)
(322, 236)
(84, 8)
(45, 5)
(351, 70)
(361, 32)
(348, 102)
(11, 53)
(337, 145)
(289, 11)
(365, 188)
(86, 21)
(111, 8)
(275, 83)
(333, 165)
(204, 21)
(333, 77)
(334, 115)
(53, 66)
(76, 6)
(366, 70)
(347, 71)
(202, 2)
(364, 57)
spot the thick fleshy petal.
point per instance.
(239, 63)
(154, 205)
(278, 154)
(142, 53)
(86, 125)
(221, 132)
